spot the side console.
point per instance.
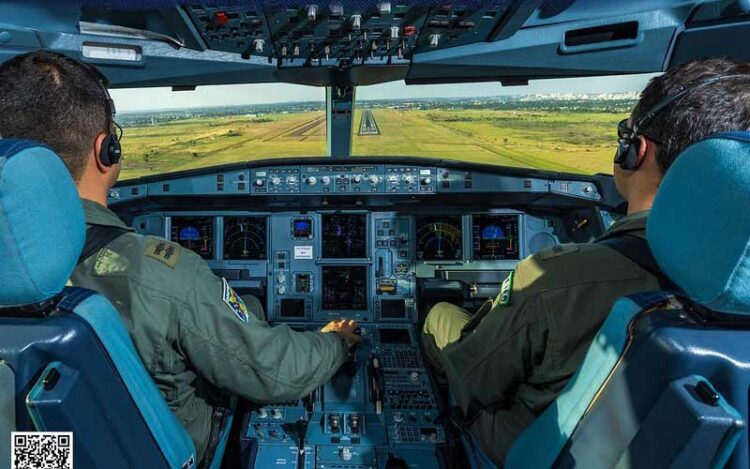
(378, 411)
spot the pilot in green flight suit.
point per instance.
(510, 360)
(195, 335)
(506, 363)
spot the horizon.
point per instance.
(374, 100)
(133, 100)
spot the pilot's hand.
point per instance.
(345, 328)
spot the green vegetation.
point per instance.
(567, 140)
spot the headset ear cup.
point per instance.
(115, 150)
(105, 154)
(631, 158)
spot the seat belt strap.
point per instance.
(637, 250)
(97, 238)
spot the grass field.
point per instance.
(582, 142)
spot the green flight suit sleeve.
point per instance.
(500, 348)
(247, 356)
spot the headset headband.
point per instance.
(646, 118)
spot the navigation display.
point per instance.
(302, 228)
(439, 238)
(344, 288)
(245, 238)
(496, 237)
(344, 236)
(194, 233)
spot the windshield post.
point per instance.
(339, 119)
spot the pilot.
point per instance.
(509, 361)
(198, 339)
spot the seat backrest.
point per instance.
(659, 386)
(66, 351)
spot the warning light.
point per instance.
(221, 18)
(410, 30)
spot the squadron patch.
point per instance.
(163, 251)
(506, 289)
(235, 303)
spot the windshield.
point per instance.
(562, 125)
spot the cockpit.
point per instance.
(373, 161)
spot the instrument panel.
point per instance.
(367, 265)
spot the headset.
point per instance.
(627, 152)
(110, 151)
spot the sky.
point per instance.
(143, 99)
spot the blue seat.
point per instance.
(664, 383)
(66, 360)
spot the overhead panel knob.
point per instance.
(326, 180)
(312, 180)
(373, 179)
(356, 22)
(312, 12)
(275, 181)
(356, 179)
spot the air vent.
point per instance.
(600, 34)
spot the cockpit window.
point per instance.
(167, 131)
(565, 125)
(562, 125)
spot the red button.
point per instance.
(410, 30)
(221, 18)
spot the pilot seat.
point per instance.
(67, 363)
(665, 382)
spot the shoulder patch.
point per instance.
(163, 251)
(558, 250)
(235, 303)
(506, 289)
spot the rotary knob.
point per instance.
(312, 180)
(326, 180)
(393, 178)
(409, 179)
(275, 181)
(291, 180)
(426, 181)
(398, 417)
(259, 182)
(262, 412)
(414, 375)
(357, 179)
(345, 453)
(276, 413)
(373, 179)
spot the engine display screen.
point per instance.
(194, 233)
(394, 336)
(292, 308)
(344, 236)
(392, 309)
(496, 237)
(344, 288)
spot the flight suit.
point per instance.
(194, 335)
(509, 361)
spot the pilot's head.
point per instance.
(666, 121)
(64, 104)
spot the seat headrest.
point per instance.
(42, 227)
(699, 227)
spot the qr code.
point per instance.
(42, 450)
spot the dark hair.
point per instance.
(720, 106)
(55, 100)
